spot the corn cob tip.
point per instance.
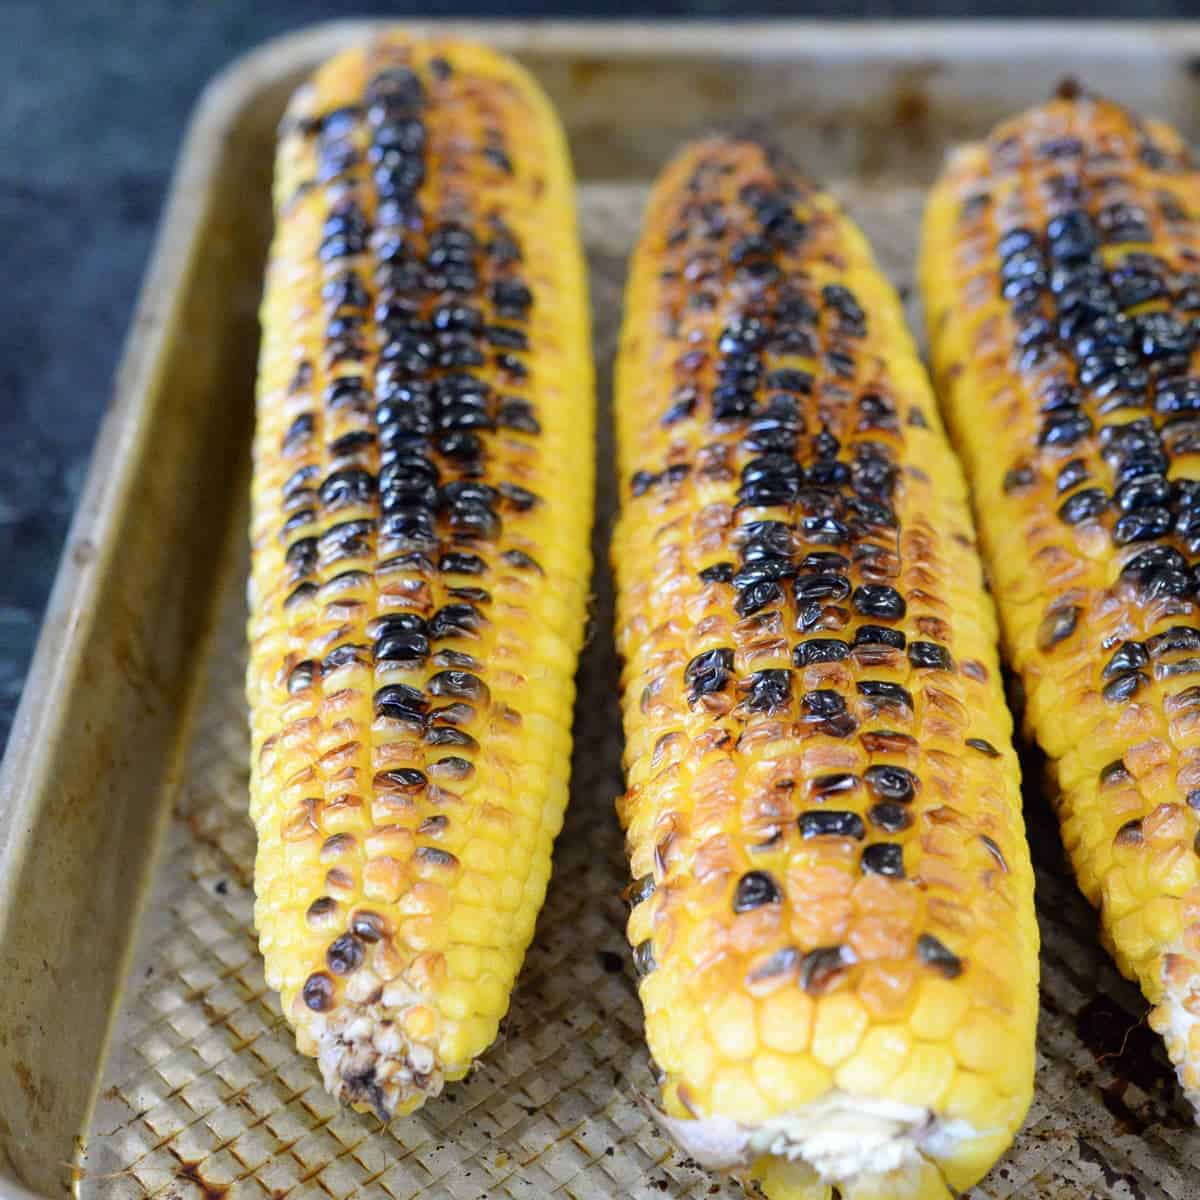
(368, 1061)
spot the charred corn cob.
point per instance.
(832, 904)
(421, 505)
(1061, 275)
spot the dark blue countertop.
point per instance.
(93, 102)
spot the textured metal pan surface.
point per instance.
(132, 731)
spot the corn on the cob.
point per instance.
(421, 506)
(1061, 275)
(832, 906)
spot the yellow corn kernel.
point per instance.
(731, 1026)
(785, 1020)
(878, 1060)
(839, 1026)
(924, 1077)
(789, 1083)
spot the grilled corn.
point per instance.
(832, 906)
(421, 505)
(1061, 275)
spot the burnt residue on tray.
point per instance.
(191, 1173)
(905, 114)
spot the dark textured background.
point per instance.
(93, 102)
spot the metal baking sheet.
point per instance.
(140, 1051)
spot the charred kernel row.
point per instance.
(766, 399)
(400, 470)
(1062, 296)
(798, 607)
(1112, 375)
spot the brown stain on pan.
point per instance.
(191, 1172)
(582, 72)
(717, 86)
(904, 113)
(39, 1092)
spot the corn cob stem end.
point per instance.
(1176, 1018)
(843, 1141)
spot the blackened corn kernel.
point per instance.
(721, 572)
(1057, 626)
(1130, 834)
(1129, 656)
(885, 692)
(883, 858)
(821, 822)
(757, 596)
(768, 691)
(835, 784)
(824, 561)
(880, 635)
(1176, 638)
(929, 656)
(983, 746)
(401, 702)
(782, 962)
(755, 889)
(891, 783)
(709, 672)
(643, 957)
(818, 650)
(1114, 772)
(824, 703)
(320, 909)
(820, 967)
(994, 850)
(821, 587)
(639, 890)
(318, 992)
(934, 953)
(454, 620)
(1124, 687)
(891, 818)
(346, 954)
(883, 603)
(1085, 505)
